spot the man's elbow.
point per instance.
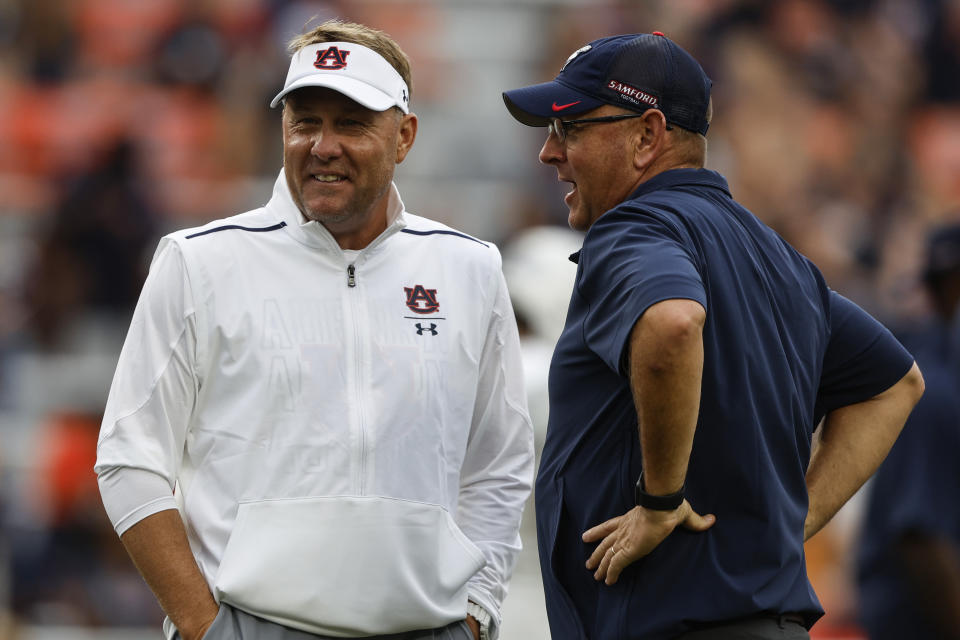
(912, 385)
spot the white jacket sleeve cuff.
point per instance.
(130, 495)
(488, 604)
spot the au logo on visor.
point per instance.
(331, 59)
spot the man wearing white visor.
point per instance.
(318, 427)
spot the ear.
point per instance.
(649, 139)
(406, 135)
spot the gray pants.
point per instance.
(771, 628)
(234, 624)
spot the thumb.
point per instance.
(695, 522)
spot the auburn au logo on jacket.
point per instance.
(421, 299)
(331, 59)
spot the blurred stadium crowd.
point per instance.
(836, 121)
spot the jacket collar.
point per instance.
(314, 234)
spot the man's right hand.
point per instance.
(474, 626)
(199, 633)
(627, 538)
(159, 548)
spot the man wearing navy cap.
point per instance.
(318, 427)
(700, 353)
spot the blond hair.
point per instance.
(378, 41)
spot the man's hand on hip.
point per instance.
(627, 538)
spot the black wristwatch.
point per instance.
(668, 502)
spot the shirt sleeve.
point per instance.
(497, 472)
(142, 437)
(862, 360)
(632, 259)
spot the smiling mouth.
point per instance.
(328, 178)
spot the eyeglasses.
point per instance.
(559, 127)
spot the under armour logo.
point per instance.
(405, 98)
(331, 58)
(432, 329)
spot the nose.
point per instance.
(553, 150)
(326, 144)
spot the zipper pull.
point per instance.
(351, 276)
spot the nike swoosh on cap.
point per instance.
(561, 107)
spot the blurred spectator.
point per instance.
(909, 561)
(45, 32)
(5, 566)
(118, 36)
(92, 257)
(73, 570)
(943, 54)
(192, 53)
(540, 278)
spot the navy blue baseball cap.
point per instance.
(636, 71)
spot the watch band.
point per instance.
(481, 616)
(668, 502)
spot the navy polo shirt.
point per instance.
(780, 350)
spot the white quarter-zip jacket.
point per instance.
(344, 432)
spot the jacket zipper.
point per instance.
(358, 381)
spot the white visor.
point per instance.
(354, 70)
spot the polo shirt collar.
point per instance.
(682, 177)
(674, 178)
